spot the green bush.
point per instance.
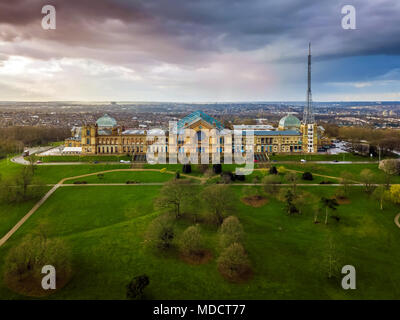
(233, 263)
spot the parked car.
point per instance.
(124, 161)
(38, 162)
(303, 160)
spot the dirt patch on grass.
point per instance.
(242, 277)
(343, 200)
(201, 257)
(255, 201)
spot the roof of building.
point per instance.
(275, 133)
(289, 121)
(199, 115)
(72, 149)
(106, 121)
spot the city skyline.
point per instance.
(213, 51)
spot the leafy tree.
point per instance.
(175, 194)
(381, 194)
(307, 176)
(282, 170)
(301, 201)
(161, 233)
(134, 290)
(191, 241)
(395, 193)
(270, 184)
(367, 177)
(233, 262)
(228, 177)
(24, 262)
(32, 159)
(231, 231)
(291, 177)
(328, 203)
(345, 179)
(289, 199)
(23, 180)
(391, 167)
(219, 200)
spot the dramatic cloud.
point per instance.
(194, 50)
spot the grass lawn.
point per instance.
(105, 226)
(8, 168)
(122, 177)
(10, 214)
(77, 158)
(335, 170)
(322, 157)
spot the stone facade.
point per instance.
(107, 138)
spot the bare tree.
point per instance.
(174, 194)
(219, 200)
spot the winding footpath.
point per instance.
(14, 229)
(396, 220)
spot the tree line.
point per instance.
(14, 139)
(385, 139)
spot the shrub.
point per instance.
(233, 263)
(270, 183)
(282, 170)
(203, 168)
(191, 242)
(187, 168)
(217, 168)
(136, 287)
(80, 182)
(307, 176)
(231, 231)
(24, 263)
(273, 170)
(240, 177)
(161, 233)
(227, 177)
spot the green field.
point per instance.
(106, 235)
(322, 157)
(72, 158)
(105, 226)
(335, 170)
(123, 177)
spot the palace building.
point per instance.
(106, 137)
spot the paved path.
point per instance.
(202, 179)
(61, 183)
(26, 217)
(396, 220)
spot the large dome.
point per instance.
(106, 121)
(289, 122)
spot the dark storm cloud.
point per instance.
(228, 48)
(182, 27)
